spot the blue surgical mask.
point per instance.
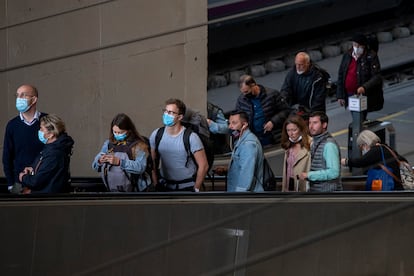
(22, 104)
(168, 119)
(120, 137)
(41, 136)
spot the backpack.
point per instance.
(326, 79)
(197, 123)
(373, 43)
(117, 179)
(212, 111)
(146, 176)
(269, 181)
(219, 141)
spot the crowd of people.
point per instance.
(37, 149)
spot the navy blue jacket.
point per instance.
(51, 167)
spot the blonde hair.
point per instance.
(53, 124)
(367, 137)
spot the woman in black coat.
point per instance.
(370, 144)
(50, 170)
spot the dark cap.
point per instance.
(360, 39)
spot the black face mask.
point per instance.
(235, 133)
(250, 95)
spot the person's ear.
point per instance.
(34, 100)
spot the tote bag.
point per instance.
(380, 179)
(406, 172)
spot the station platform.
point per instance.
(398, 107)
(393, 53)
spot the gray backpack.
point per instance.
(114, 177)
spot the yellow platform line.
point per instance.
(344, 131)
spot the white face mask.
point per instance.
(358, 51)
(295, 141)
(364, 150)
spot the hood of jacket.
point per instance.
(63, 143)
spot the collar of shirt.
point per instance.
(35, 118)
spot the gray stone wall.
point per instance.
(93, 59)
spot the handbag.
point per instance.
(406, 172)
(380, 179)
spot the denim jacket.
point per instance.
(246, 166)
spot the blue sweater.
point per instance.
(21, 146)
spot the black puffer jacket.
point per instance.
(274, 106)
(369, 76)
(51, 167)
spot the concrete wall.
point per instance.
(363, 234)
(94, 82)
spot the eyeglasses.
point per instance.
(23, 95)
(169, 112)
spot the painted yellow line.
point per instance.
(345, 131)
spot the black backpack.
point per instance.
(197, 123)
(147, 175)
(219, 142)
(269, 181)
(373, 43)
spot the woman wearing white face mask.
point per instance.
(360, 74)
(296, 142)
(370, 145)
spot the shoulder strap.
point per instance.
(131, 149)
(385, 168)
(158, 137)
(393, 154)
(186, 141)
(389, 173)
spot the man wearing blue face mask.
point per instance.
(174, 170)
(21, 143)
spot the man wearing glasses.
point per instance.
(21, 143)
(177, 172)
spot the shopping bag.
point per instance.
(379, 180)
